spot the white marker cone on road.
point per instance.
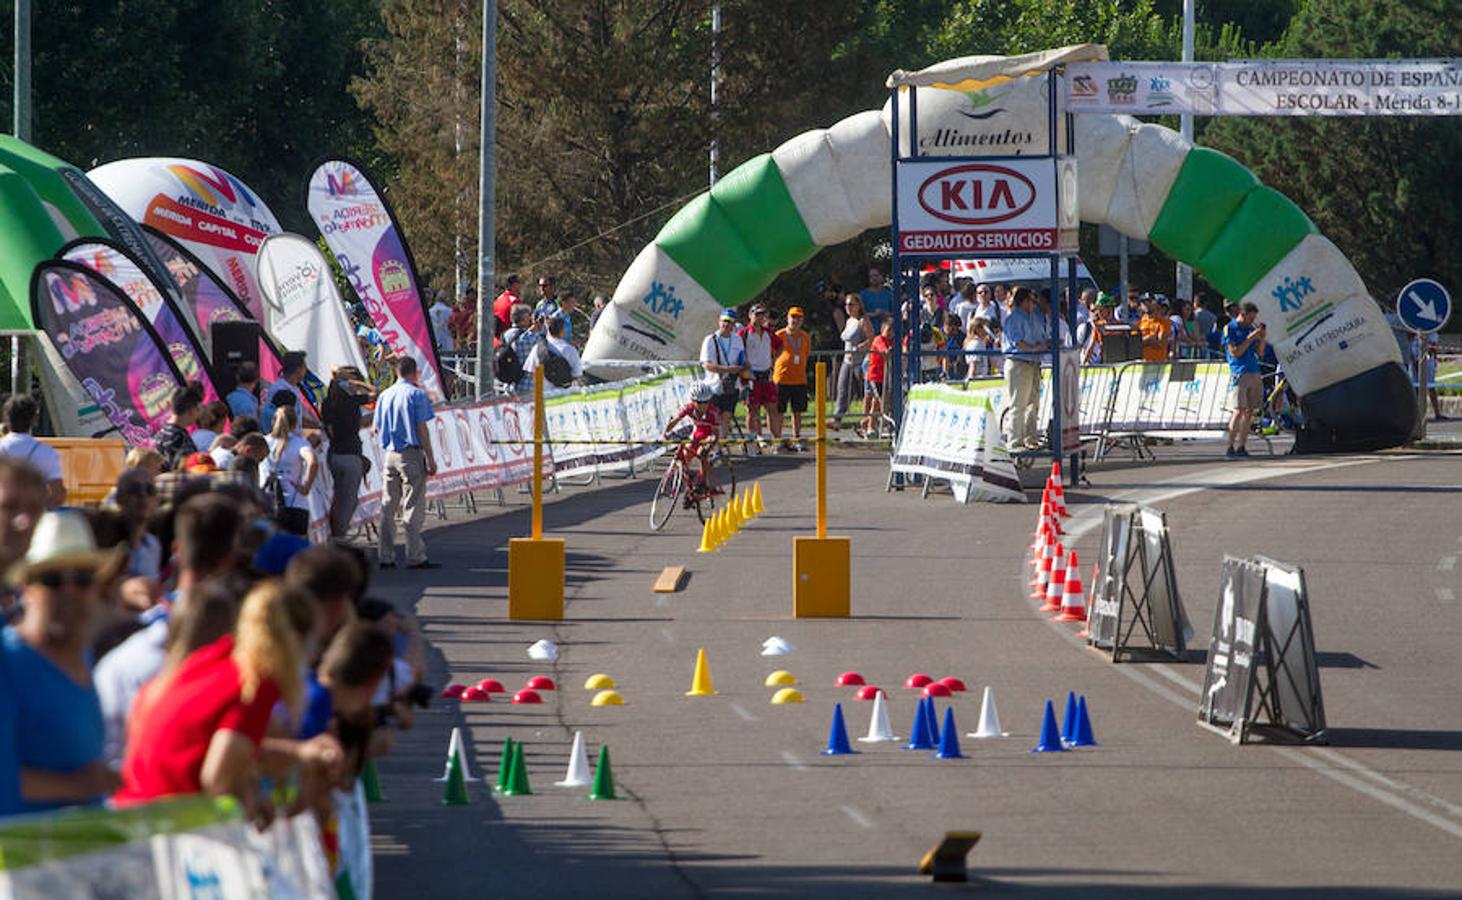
(456, 748)
(776, 646)
(878, 727)
(543, 651)
(989, 717)
(578, 774)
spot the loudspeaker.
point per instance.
(233, 343)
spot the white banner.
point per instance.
(1314, 87)
(302, 308)
(954, 434)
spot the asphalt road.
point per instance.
(730, 793)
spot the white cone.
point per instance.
(455, 747)
(776, 646)
(543, 651)
(878, 728)
(989, 717)
(578, 774)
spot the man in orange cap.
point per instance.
(789, 372)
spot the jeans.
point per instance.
(850, 379)
(346, 470)
(405, 478)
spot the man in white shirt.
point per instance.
(439, 312)
(558, 345)
(761, 345)
(20, 417)
(723, 356)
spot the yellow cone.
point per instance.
(599, 682)
(781, 678)
(743, 505)
(756, 498)
(700, 685)
(708, 538)
(728, 529)
(607, 698)
(733, 509)
(787, 695)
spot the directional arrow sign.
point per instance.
(1424, 306)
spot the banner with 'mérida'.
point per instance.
(361, 230)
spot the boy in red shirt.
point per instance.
(706, 420)
(873, 383)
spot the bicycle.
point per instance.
(674, 490)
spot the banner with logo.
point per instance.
(173, 329)
(217, 217)
(954, 434)
(1304, 87)
(362, 232)
(108, 345)
(304, 309)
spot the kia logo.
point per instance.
(976, 194)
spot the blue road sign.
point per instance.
(1424, 306)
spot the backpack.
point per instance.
(556, 369)
(506, 364)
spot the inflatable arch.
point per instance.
(1199, 206)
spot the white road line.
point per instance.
(793, 761)
(1447, 564)
(665, 633)
(858, 818)
(1369, 790)
(1445, 593)
(741, 711)
(1446, 806)
(1177, 679)
(661, 600)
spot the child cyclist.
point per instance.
(706, 419)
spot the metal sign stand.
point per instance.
(1120, 604)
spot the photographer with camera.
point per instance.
(723, 356)
(1243, 343)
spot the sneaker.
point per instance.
(1230, 453)
(789, 447)
(800, 447)
(753, 448)
(1242, 453)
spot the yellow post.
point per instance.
(821, 565)
(536, 563)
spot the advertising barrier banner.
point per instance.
(115, 355)
(304, 309)
(361, 231)
(954, 434)
(1303, 87)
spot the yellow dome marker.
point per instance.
(787, 695)
(781, 678)
(607, 698)
(599, 682)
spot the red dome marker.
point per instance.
(475, 695)
(453, 690)
(527, 695)
(868, 692)
(541, 683)
(954, 684)
(916, 681)
(936, 689)
(492, 686)
(850, 679)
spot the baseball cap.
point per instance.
(1105, 299)
(795, 311)
(728, 314)
(758, 308)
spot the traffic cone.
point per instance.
(757, 506)
(919, 734)
(1050, 735)
(1038, 556)
(879, 731)
(837, 735)
(948, 738)
(1056, 587)
(700, 683)
(455, 793)
(457, 749)
(578, 773)
(1083, 736)
(708, 540)
(931, 722)
(1068, 720)
(504, 767)
(733, 509)
(989, 717)
(603, 788)
(370, 782)
(1054, 553)
(1038, 540)
(518, 774)
(1058, 492)
(1073, 598)
(747, 503)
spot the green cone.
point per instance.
(603, 778)
(456, 792)
(504, 767)
(518, 777)
(371, 783)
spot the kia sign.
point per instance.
(1007, 206)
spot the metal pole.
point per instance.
(487, 200)
(537, 453)
(459, 282)
(1184, 289)
(21, 122)
(893, 379)
(820, 396)
(715, 92)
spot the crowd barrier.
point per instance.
(952, 432)
(601, 429)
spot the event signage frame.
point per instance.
(1136, 587)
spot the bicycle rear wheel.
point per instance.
(667, 495)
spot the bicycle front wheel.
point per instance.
(720, 485)
(667, 495)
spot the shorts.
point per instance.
(763, 391)
(793, 395)
(1247, 392)
(726, 400)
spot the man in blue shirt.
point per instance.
(402, 411)
(877, 298)
(1021, 340)
(1243, 343)
(244, 399)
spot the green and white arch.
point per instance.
(1196, 204)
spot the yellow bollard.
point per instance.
(821, 565)
(536, 563)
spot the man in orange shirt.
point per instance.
(1157, 332)
(789, 373)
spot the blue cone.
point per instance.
(949, 738)
(837, 735)
(1083, 737)
(919, 734)
(1050, 734)
(931, 719)
(1068, 720)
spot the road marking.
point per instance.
(1369, 790)
(660, 600)
(1447, 564)
(741, 711)
(1446, 806)
(1177, 679)
(858, 818)
(1445, 593)
(665, 633)
(793, 761)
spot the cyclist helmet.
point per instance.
(701, 392)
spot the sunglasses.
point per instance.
(56, 578)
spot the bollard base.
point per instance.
(535, 578)
(821, 581)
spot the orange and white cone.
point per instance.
(1058, 493)
(1073, 598)
(1052, 555)
(1038, 542)
(1049, 513)
(1056, 587)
